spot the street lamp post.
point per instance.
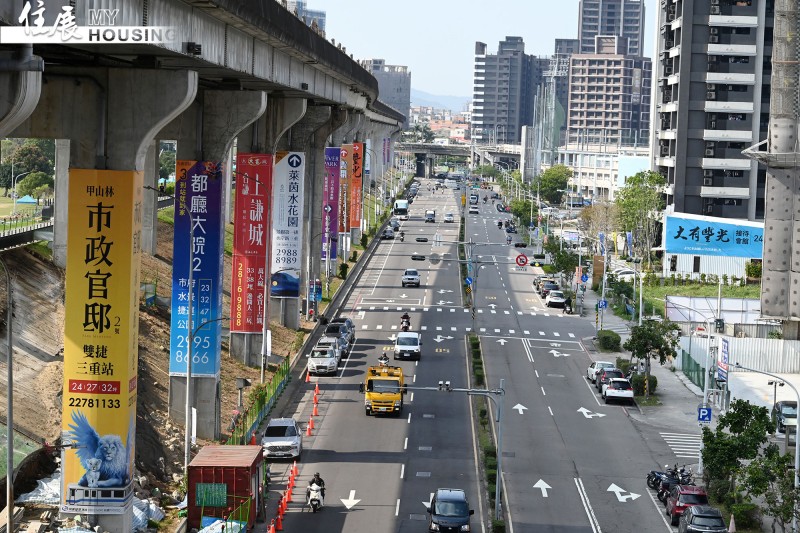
(10, 402)
(775, 384)
(14, 189)
(796, 446)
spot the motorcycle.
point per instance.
(402, 236)
(567, 309)
(654, 477)
(314, 500)
(405, 324)
(499, 224)
(383, 360)
(682, 477)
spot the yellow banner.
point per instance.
(100, 340)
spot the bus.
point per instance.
(401, 209)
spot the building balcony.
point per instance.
(676, 24)
(665, 162)
(731, 78)
(733, 21)
(674, 79)
(728, 135)
(670, 107)
(725, 164)
(675, 51)
(725, 192)
(732, 50)
(667, 134)
(727, 107)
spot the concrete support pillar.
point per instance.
(220, 117)
(150, 200)
(61, 190)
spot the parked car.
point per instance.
(605, 375)
(351, 328)
(547, 287)
(449, 511)
(282, 439)
(595, 368)
(322, 361)
(555, 299)
(388, 233)
(618, 389)
(448, 217)
(681, 498)
(339, 330)
(337, 344)
(702, 518)
(784, 413)
(625, 274)
(539, 282)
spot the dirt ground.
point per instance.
(38, 360)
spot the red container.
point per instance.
(222, 480)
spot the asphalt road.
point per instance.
(570, 462)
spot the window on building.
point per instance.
(695, 264)
(673, 263)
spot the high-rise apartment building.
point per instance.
(623, 18)
(394, 84)
(504, 90)
(713, 96)
(609, 95)
(307, 15)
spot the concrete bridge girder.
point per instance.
(22, 91)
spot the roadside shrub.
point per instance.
(638, 384)
(623, 364)
(752, 270)
(745, 515)
(608, 340)
(775, 334)
(491, 475)
(478, 377)
(490, 451)
(491, 464)
(364, 240)
(354, 256)
(343, 268)
(498, 526)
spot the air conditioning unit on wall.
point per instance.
(708, 173)
(708, 182)
(710, 152)
(715, 10)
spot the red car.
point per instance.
(681, 498)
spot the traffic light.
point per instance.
(520, 245)
(417, 257)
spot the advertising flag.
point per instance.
(602, 238)
(197, 245)
(251, 231)
(287, 224)
(101, 340)
(356, 173)
(330, 203)
(345, 162)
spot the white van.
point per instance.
(451, 184)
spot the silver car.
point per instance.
(282, 438)
(596, 367)
(337, 344)
(322, 361)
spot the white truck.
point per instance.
(430, 216)
(408, 345)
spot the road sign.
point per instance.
(522, 260)
(468, 280)
(704, 415)
(468, 289)
(602, 304)
(584, 278)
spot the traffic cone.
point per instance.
(308, 377)
(316, 398)
(316, 388)
(294, 468)
(308, 430)
(271, 527)
(282, 505)
(315, 412)
(288, 495)
(279, 523)
(311, 422)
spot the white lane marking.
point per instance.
(551, 411)
(540, 333)
(423, 328)
(409, 416)
(660, 508)
(412, 397)
(593, 522)
(402, 470)
(572, 335)
(363, 326)
(405, 443)
(526, 332)
(397, 507)
(543, 392)
(379, 326)
(555, 334)
(537, 374)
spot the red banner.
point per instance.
(355, 169)
(251, 222)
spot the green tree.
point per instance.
(738, 437)
(166, 164)
(562, 257)
(42, 191)
(5, 176)
(30, 157)
(521, 209)
(640, 203)
(33, 181)
(552, 181)
(770, 480)
(487, 171)
(653, 340)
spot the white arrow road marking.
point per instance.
(393, 337)
(502, 342)
(492, 305)
(442, 291)
(439, 338)
(555, 344)
(442, 302)
(428, 503)
(404, 295)
(620, 493)
(556, 353)
(351, 501)
(543, 486)
(522, 408)
(588, 414)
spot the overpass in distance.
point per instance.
(479, 154)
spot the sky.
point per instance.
(436, 38)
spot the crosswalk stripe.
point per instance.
(572, 335)
(511, 332)
(438, 328)
(526, 332)
(507, 312)
(483, 330)
(541, 333)
(423, 328)
(556, 334)
(497, 331)
(453, 328)
(493, 312)
(379, 326)
(363, 326)
(684, 445)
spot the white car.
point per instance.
(595, 367)
(322, 361)
(410, 277)
(555, 299)
(625, 274)
(337, 344)
(474, 210)
(448, 217)
(282, 438)
(618, 389)
(408, 345)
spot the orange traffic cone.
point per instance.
(316, 398)
(279, 523)
(311, 422)
(315, 412)
(288, 495)
(294, 468)
(308, 430)
(316, 388)
(271, 527)
(282, 505)
(308, 377)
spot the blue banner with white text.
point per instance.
(702, 236)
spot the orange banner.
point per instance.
(101, 340)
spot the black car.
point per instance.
(606, 374)
(351, 328)
(784, 413)
(449, 511)
(495, 195)
(340, 330)
(701, 518)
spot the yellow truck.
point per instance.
(383, 390)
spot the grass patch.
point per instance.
(41, 249)
(654, 296)
(652, 401)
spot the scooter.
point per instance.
(315, 500)
(654, 477)
(499, 224)
(405, 325)
(383, 360)
(402, 236)
(682, 478)
(567, 309)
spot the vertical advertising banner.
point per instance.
(251, 219)
(287, 224)
(330, 204)
(100, 340)
(356, 172)
(197, 245)
(345, 162)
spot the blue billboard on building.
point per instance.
(198, 219)
(697, 235)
